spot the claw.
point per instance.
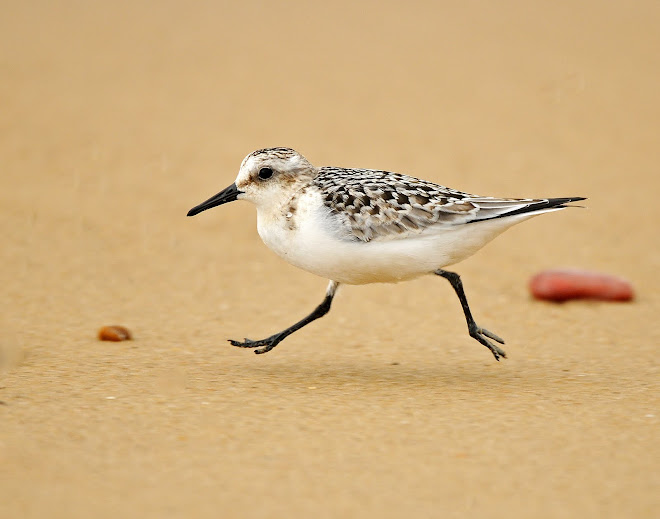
(479, 333)
(248, 343)
(266, 349)
(268, 344)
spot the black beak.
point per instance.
(229, 194)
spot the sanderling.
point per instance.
(359, 226)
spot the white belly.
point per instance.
(309, 241)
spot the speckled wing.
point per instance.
(380, 205)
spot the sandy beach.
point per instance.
(117, 117)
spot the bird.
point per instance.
(359, 226)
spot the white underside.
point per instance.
(315, 246)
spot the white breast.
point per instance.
(312, 240)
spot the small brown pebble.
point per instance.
(564, 284)
(114, 333)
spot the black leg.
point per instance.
(270, 342)
(475, 331)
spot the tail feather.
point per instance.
(530, 206)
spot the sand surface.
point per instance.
(118, 117)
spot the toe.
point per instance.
(491, 335)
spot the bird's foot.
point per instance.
(262, 345)
(482, 335)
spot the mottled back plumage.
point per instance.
(381, 205)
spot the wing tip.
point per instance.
(542, 204)
(556, 202)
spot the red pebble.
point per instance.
(114, 333)
(565, 284)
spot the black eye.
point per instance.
(265, 173)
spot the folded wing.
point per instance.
(379, 205)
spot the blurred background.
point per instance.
(117, 117)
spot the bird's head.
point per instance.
(267, 177)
